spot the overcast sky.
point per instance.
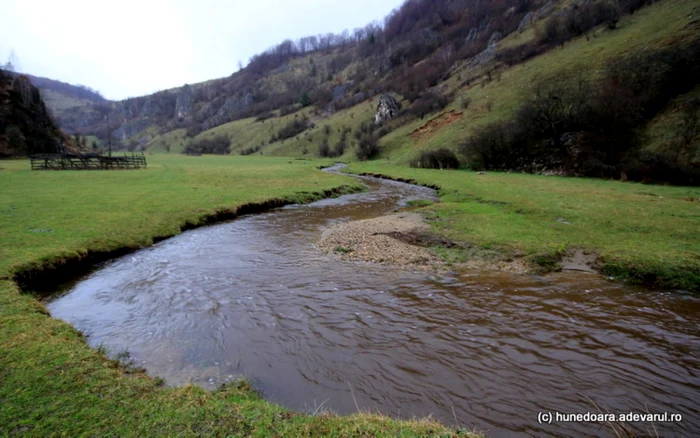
(135, 47)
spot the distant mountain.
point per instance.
(77, 92)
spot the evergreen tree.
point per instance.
(305, 100)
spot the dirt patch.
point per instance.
(435, 124)
(398, 239)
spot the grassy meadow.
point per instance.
(642, 233)
(52, 383)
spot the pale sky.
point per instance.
(136, 47)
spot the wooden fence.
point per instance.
(88, 161)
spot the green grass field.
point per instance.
(643, 233)
(52, 383)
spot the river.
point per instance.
(255, 298)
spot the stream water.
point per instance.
(255, 298)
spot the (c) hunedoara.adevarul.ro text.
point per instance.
(549, 417)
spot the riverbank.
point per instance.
(52, 382)
(645, 234)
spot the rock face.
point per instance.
(383, 65)
(545, 10)
(130, 129)
(486, 56)
(525, 22)
(340, 90)
(495, 37)
(184, 102)
(151, 109)
(26, 127)
(229, 108)
(387, 109)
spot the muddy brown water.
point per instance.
(255, 298)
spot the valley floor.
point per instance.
(53, 383)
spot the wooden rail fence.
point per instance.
(88, 161)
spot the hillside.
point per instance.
(328, 72)
(26, 126)
(458, 68)
(60, 96)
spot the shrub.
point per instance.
(340, 147)
(288, 109)
(251, 150)
(321, 97)
(264, 116)
(367, 145)
(518, 54)
(219, 144)
(293, 128)
(493, 147)
(658, 168)
(193, 130)
(438, 159)
(427, 103)
(324, 150)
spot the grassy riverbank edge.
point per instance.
(53, 383)
(541, 219)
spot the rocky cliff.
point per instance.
(387, 109)
(26, 127)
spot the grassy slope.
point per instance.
(661, 133)
(657, 25)
(248, 133)
(51, 382)
(651, 233)
(177, 140)
(350, 118)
